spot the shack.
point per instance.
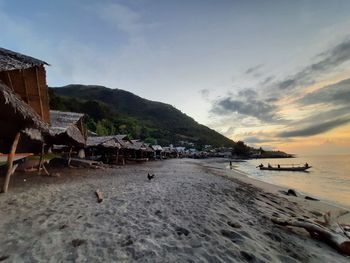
(67, 128)
(104, 148)
(158, 151)
(139, 151)
(17, 120)
(26, 76)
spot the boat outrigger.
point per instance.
(285, 168)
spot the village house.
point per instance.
(26, 76)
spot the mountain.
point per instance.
(120, 111)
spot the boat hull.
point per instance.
(291, 169)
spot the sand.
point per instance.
(192, 211)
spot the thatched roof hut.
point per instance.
(157, 148)
(16, 115)
(26, 76)
(67, 128)
(103, 142)
(16, 118)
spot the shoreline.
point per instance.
(322, 205)
(303, 193)
(190, 211)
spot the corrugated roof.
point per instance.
(10, 60)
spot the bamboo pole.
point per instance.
(10, 156)
(70, 156)
(41, 158)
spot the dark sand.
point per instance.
(190, 212)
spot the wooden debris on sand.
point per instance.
(82, 163)
(99, 195)
(329, 231)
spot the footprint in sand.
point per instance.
(234, 224)
(182, 231)
(232, 235)
(78, 242)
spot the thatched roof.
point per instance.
(10, 60)
(139, 146)
(16, 115)
(103, 141)
(157, 147)
(121, 139)
(64, 129)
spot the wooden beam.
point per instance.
(25, 87)
(10, 156)
(10, 81)
(41, 158)
(39, 93)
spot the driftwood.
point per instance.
(329, 231)
(99, 195)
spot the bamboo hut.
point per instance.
(67, 128)
(104, 148)
(158, 150)
(26, 76)
(112, 148)
(140, 151)
(16, 118)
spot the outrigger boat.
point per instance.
(285, 168)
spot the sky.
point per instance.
(273, 73)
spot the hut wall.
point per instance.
(30, 85)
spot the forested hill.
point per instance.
(118, 111)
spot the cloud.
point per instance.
(121, 16)
(254, 139)
(253, 70)
(336, 94)
(328, 61)
(267, 80)
(204, 93)
(250, 107)
(315, 129)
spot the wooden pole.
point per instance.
(41, 158)
(10, 162)
(70, 156)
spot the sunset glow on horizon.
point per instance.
(275, 74)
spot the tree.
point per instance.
(240, 149)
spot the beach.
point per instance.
(191, 211)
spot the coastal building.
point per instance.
(67, 128)
(140, 151)
(157, 151)
(26, 76)
(17, 121)
(105, 148)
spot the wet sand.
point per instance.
(192, 211)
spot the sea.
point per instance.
(328, 179)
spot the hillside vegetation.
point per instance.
(117, 111)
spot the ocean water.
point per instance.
(328, 179)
